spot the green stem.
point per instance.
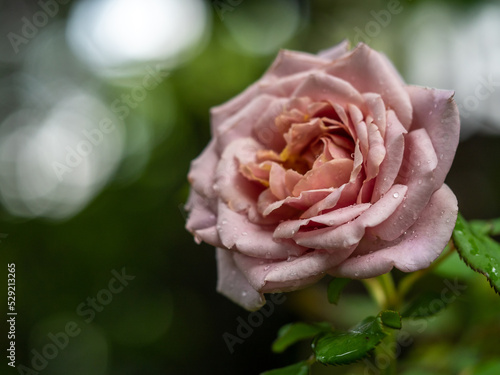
(386, 355)
(392, 299)
(376, 291)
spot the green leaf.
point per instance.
(478, 251)
(293, 332)
(487, 227)
(419, 306)
(342, 348)
(335, 288)
(301, 368)
(391, 319)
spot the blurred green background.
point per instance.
(103, 104)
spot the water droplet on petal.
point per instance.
(395, 195)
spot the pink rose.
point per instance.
(329, 164)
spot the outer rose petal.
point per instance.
(287, 275)
(415, 250)
(417, 172)
(233, 284)
(370, 71)
(436, 111)
(336, 51)
(202, 171)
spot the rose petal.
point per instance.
(322, 87)
(233, 284)
(415, 250)
(306, 199)
(286, 275)
(375, 108)
(417, 172)
(336, 51)
(241, 124)
(265, 130)
(237, 233)
(436, 111)
(370, 71)
(233, 188)
(202, 171)
(395, 146)
(201, 212)
(291, 62)
(350, 234)
(332, 174)
(333, 219)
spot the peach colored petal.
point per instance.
(332, 174)
(417, 172)
(394, 144)
(348, 235)
(333, 219)
(375, 108)
(414, 250)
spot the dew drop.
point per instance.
(243, 294)
(385, 178)
(352, 155)
(224, 222)
(395, 195)
(266, 268)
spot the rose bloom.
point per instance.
(329, 164)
